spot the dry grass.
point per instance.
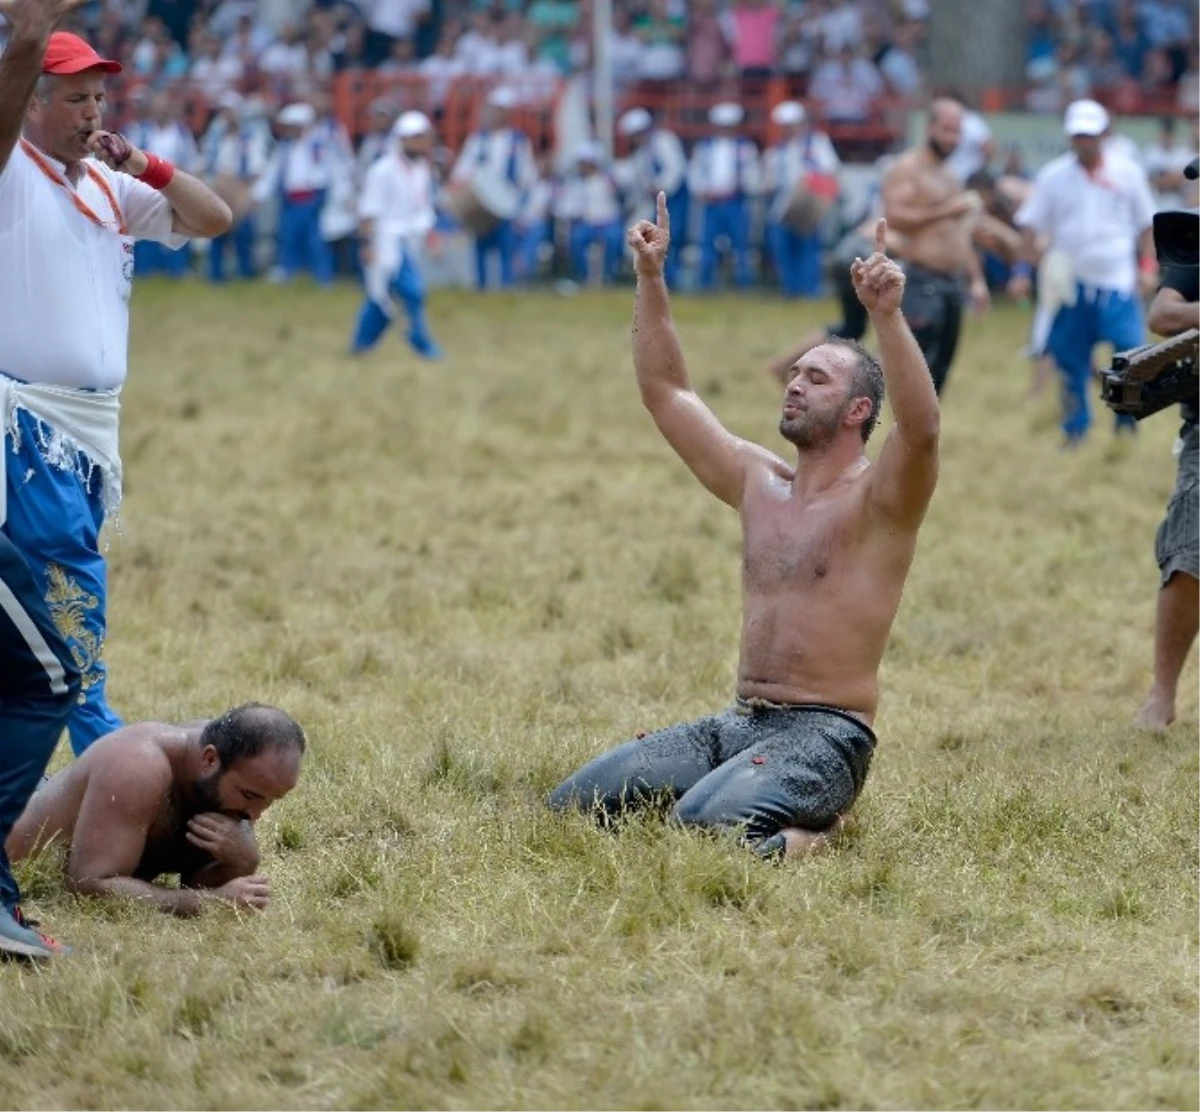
(466, 579)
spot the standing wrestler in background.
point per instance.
(924, 201)
(827, 544)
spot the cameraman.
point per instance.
(1175, 309)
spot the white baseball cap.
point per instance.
(634, 121)
(788, 114)
(726, 114)
(1085, 117)
(410, 124)
(590, 150)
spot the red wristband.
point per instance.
(158, 172)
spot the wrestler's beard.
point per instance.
(811, 430)
(940, 153)
(206, 796)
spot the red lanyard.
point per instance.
(79, 204)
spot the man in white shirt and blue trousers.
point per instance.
(234, 147)
(596, 216)
(723, 175)
(299, 174)
(1095, 208)
(658, 165)
(803, 155)
(501, 151)
(74, 198)
(395, 214)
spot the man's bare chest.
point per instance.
(790, 547)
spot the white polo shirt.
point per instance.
(1095, 219)
(397, 198)
(64, 280)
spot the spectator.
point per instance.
(1164, 160)
(1129, 39)
(212, 74)
(845, 87)
(1104, 69)
(624, 47)
(441, 68)
(1043, 31)
(555, 20)
(754, 27)
(898, 62)
(387, 21)
(286, 59)
(662, 34)
(708, 52)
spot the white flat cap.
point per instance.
(298, 115)
(788, 114)
(230, 100)
(503, 97)
(1085, 117)
(410, 124)
(726, 114)
(635, 121)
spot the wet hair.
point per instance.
(981, 181)
(249, 730)
(866, 381)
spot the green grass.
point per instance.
(465, 579)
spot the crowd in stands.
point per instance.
(1134, 55)
(844, 54)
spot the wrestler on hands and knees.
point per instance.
(827, 544)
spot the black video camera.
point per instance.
(1145, 380)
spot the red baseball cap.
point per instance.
(67, 53)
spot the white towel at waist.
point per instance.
(80, 421)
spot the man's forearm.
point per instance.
(1169, 318)
(657, 355)
(20, 68)
(184, 902)
(196, 206)
(906, 377)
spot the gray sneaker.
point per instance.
(20, 941)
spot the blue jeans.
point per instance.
(610, 236)
(797, 258)
(528, 241)
(39, 684)
(408, 287)
(501, 240)
(301, 244)
(677, 210)
(730, 218)
(54, 520)
(1098, 316)
(243, 246)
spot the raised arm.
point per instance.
(905, 475)
(31, 23)
(715, 456)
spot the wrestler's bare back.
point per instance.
(821, 583)
(54, 808)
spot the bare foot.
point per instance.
(805, 843)
(1157, 713)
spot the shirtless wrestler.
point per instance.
(827, 544)
(924, 202)
(151, 800)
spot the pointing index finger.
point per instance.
(664, 217)
(881, 236)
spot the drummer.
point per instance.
(234, 153)
(803, 164)
(498, 151)
(723, 175)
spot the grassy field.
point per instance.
(465, 579)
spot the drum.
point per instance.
(235, 193)
(481, 203)
(810, 203)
